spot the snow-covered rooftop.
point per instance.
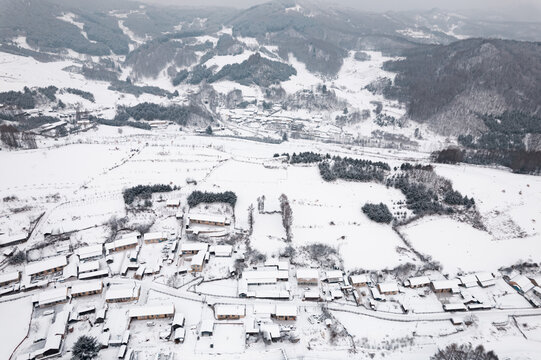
(387, 287)
(45, 265)
(155, 236)
(89, 266)
(286, 310)
(229, 310)
(86, 286)
(90, 251)
(52, 296)
(152, 310)
(307, 274)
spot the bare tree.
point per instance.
(287, 215)
(251, 217)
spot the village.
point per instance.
(184, 287)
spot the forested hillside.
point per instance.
(452, 87)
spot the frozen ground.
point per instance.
(17, 314)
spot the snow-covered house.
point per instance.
(47, 266)
(521, 283)
(10, 277)
(468, 281)
(485, 279)
(417, 282)
(87, 288)
(312, 295)
(121, 244)
(52, 297)
(270, 331)
(278, 264)
(152, 312)
(333, 276)
(89, 266)
(229, 312)
(94, 274)
(154, 237)
(307, 276)
(207, 327)
(179, 335)
(173, 203)
(286, 312)
(440, 286)
(260, 277)
(536, 280)
(221, 250)
(360, 280)
(454, 306)
(122, 293)
(178, 320)
(197, 261)
(90, 252)
(14, 239)
(207, 219)
(193, 248)
(388, 288)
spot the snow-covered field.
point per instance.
(89, 170)
(16, 320)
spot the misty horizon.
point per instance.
(521, 10)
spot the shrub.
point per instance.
(18, 258)
(85, 348)
(378, 212)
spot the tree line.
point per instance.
(197, 197)
(143, 192)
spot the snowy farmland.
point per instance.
(77, 184)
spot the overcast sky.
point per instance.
(529, 10)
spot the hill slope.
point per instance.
(450, 86)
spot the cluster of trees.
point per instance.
(454, 197)
(464, 352)
(387, 120)
(307, 157)
(151, 111)
(49, 92)
(32, 122)
(180, 77)
(361, 56)
(104, 29)
(227, 45)
(120, 122)
(198, 197)
(419, 197)
(519, 161)
(27, 98)
(255, 70)
(353, 169)
(378, 212)
(129, 88)
(287, 215)
(427, 193)
(81, 93)
(23, 100)
(9, 135)
(408, 166)
(98, 72)
(143, 192)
